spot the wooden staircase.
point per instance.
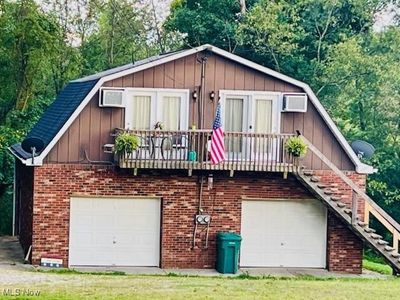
(332, 197)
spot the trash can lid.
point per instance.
(231, 236)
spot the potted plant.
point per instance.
(297, 147)
(126, 143)
(158, 126)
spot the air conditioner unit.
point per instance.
(111, 98)
(294, 103)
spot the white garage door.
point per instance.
(114, 232)
(283, 234)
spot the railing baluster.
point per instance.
(245, 151)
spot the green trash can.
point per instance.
(228, 246)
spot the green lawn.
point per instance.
(76, 286)
(377, 266)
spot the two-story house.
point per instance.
(163, 204)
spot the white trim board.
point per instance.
(360, 167)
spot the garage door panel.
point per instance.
(283, 234)
(121, 232)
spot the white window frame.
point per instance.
(248, 119)
(156, 98)
(128, 106)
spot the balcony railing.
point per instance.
(191, 150)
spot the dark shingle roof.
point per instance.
(57, 114)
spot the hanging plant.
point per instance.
(296, 146)
(126, 143)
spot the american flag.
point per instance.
(217, 139)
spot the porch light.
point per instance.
(194, 95)
(212, 95)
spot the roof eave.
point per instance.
(28, 162)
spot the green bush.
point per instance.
(126, 143)
(296, 146)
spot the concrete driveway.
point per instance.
(11, 253)
(13, 270)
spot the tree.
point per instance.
(363, 95)
(295, 36)
(207, 21)
(25, 42)
(270, 30)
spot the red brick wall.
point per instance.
(343, 189)
(54, 185)
(344, 253)
(24, 204)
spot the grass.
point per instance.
(75, 272)
(79, 286)
(377, 266)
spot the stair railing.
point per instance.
(370, 206)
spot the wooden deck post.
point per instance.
(396, 237)
(367, 209)
(354, 208)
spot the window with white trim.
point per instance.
(146, 107)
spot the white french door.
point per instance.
(235, 111)
(265, 119)
(147, 107)
(250, 112)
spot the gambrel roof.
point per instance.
(71, 101)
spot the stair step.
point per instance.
(322, 185)
(336, 198)
(308, 172)
(362, 224)
(328, 192)
(395, 255)
(376, 236)
(315, 179)
(347, 211)
(369, 230)
(341, 204)
(388, 248)
(382, 242)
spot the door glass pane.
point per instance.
(263, 124)
(170, 114)
(141, 112)
(233, 123)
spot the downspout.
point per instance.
(14, 199)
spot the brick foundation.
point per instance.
(344, 253)
(55, 184)
(340, 187)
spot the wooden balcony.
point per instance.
(190, 150)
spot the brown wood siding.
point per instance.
(314, 128)
(91, 130)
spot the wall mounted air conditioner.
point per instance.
(111, 98)
(294, 102)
